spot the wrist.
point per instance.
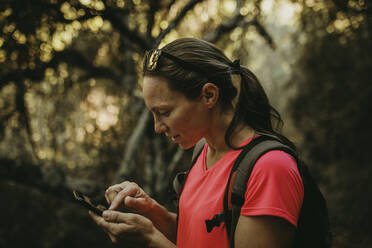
(158, 240)
(154, 210)
(163, 220)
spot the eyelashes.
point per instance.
(164, 113)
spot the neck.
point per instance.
(215, 137)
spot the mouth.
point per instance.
(174, 138)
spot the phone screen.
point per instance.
(88, 203)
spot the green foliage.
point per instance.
(69, 100)
(332, 109)
(71, 111)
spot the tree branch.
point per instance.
(132, 146)
(49, 180)
(224, 28)
(69, 56)
(238, 20)
(23, 113)
(176, 21)
(262, 31)
(131, 35)
(154, 6)
(111, 14)
(170, 4)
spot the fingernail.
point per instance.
(106, 215)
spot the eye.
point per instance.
(164, 113)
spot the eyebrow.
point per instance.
(156, 108)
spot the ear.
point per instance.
(210, 94)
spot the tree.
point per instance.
(71, 111)
(332, 108)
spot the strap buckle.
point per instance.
(215, 221)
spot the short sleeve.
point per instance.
(274, 188)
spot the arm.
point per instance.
(264, 231)
(272, 203)
(164, 220)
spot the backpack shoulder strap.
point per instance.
(180, 177)
(197, 150)
(246, 165)
(242, 169)
(237, 181)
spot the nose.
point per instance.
(159, 126)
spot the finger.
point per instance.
(119, 217)
(101, 207)
(110, 195)
(139, 204)
(98, 219)
(112, 237)
(93, 215)
(113, 223)
(130, 190)
(112, 191)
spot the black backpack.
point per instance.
(313, 224)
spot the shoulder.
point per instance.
(276, 163)
(274, 188)
(275, 175)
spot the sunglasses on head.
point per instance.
(153, 56)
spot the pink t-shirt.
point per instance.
(274, 188)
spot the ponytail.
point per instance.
(189, 63)
(253, 108)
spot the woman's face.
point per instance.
(184, 121)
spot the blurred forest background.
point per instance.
(72, 115)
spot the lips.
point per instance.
(174, 138)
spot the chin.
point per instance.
(185, 146)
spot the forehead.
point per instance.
(157, 93)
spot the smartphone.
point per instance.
(88, 203)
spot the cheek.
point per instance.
(192, 121)
(188, 119)
(181, 122)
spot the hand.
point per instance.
(129, 195)
(126, 228)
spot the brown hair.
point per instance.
(253, 107)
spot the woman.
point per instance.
(194, 91)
